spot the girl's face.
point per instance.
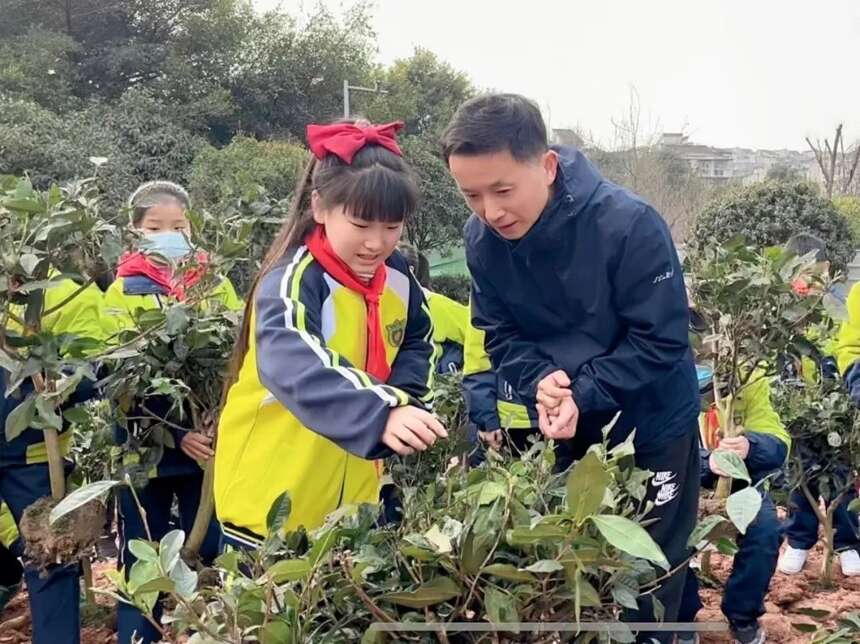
(164, 218)
(362, 245)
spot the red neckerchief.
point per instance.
(376, 364)
(138, 264)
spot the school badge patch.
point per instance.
(395, 332)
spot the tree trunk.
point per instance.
(827, 563)
(68, 12)
(55, 464)
(191, 551)
(56, 471)
(87, 567)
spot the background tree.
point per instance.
(837, 166)
(422, 90)
(768, 214)
(438, 224)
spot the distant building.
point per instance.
(562, 136)
(712, 164)
(742, 165)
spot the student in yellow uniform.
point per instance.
(450, 318)
(763, 445)
(801, 528)
(145, 281)
(334, 366)
(24, 476)
(11, 571)
(496, 414)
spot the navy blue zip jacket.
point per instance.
(595, 288)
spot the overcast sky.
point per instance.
(751, 73)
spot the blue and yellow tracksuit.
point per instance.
(755, 561)
(801, 529)
(848, 345)
(24, 474)
(11, 572)
(491, 401)
(450, 320)
(301, 417)
(176, 475)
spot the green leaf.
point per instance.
(588, 595)
(28, 262)
(625, 591)
(630, 537)
(742, 508)
(24, 205)
(731, 464)
(804, 628)
(184, 578)
(441, 542)
(509, 572)
(586, 485)
(289, 570)
(229, 561)
(79, 415)
(436, 591)
(276, 632)
(374, 636)
(21, 418)
(143, 550)
(79, 497)
(176, 319)
(490, 491)
(142, 573)
(727, 547)
(819, 615)
(323, 542)
(501, 607)
(160, 585)
(531, 536)
(37, 285)
(704, 529)
(169, 549)
(545, 566)
(279, 513)
(854, 506)
(47, 414)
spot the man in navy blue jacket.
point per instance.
(579, 289)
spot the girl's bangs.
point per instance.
(378, 194)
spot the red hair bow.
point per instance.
(345, 139)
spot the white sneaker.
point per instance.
(792, 560)
(850, 562)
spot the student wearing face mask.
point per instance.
(150, 278)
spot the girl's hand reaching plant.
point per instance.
(410, 429)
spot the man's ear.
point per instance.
(549, 164)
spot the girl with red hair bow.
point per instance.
(333, 368)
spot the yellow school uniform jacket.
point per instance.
(303, 416)
(450, 318)
(8, 529)
(491, 400)
(848, 343)
(71, 310)
(128, 294)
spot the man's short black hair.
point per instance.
(804, 243)
(496, 123)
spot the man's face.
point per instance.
(508, 195)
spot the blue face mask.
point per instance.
(172, 245)
(705, 376)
